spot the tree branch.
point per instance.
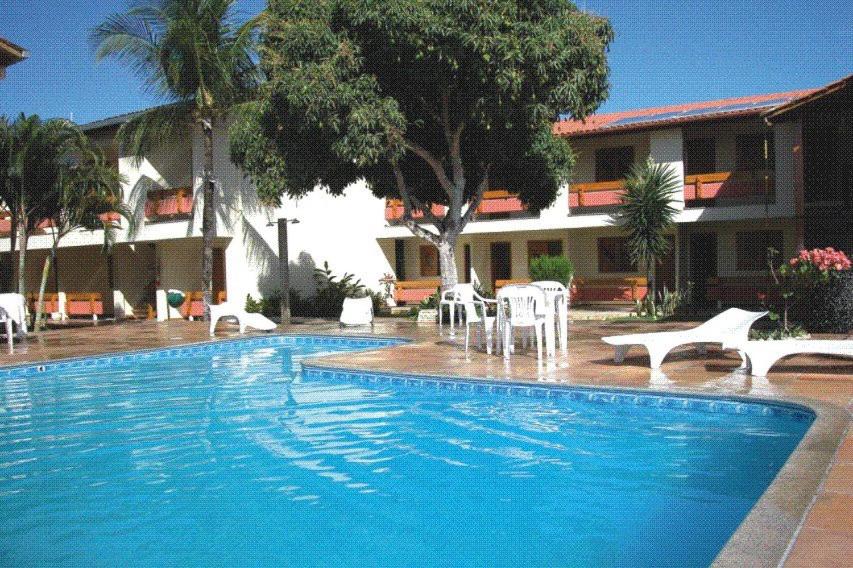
(434, 163)
(408, 221)
(427, 211)
(478, 197)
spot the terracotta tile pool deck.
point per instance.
(811, 498)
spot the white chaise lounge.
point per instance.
(761, 355)
(357, 311)
(730, 329)
(244, 318)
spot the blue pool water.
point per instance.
(227, 455)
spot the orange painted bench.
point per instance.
(193, 306)
(414, 291)
(51, 302)
(609, 290)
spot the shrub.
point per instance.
(556, 268)
(827, 307)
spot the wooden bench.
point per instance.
(414, 291)
(510, 282)
(193, 306)
(609, 290)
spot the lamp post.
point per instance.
(284, 268)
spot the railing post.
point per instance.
(698, 187)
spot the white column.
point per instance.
(666, 147)
(162, 306)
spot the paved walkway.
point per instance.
(822, 467)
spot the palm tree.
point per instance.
(31, 151)
(87, 194)
(646, 213)
(195, 55)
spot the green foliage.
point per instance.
(668, 303)
(646, 212)
(435, 101)
(556, 268)
(793, 332)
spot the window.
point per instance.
(536, 249)
(700, 156)
(400, 258)
(613, 255)
(749, 152)
(466, 254)
(429, 260)
(751, 248)
(613, 163)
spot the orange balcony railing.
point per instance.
(169, 204)
(499, 201)
(394, 210)
(596, 194)
(735, 186)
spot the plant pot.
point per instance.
(175, 298)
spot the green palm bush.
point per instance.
(647, 213)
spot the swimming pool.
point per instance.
(226, 454)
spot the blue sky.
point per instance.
(665, 52)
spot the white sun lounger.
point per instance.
(244, 318)
(729, 328)
(357, 311)
(761, 355)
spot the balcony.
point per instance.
(596, 194)
(727, 188)
(394, 211)
(169, 204)
(499, 202)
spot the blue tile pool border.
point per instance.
(579, 393)
(191, 349)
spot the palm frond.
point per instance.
(154, 128)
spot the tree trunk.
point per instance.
(208, 220)
(447, 263)
(45, 272)
(13, 235)
(651, 293)
(22, 257)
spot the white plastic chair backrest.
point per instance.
(463, 293)
(357, 310)
(549, 286)
(731, 321)
(524, 302)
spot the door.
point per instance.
(218, 274)
(703, 265)
(665, 271)
(501, 256)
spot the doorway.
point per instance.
(218, 273)
(501, 257)
(665, 271)
(703, 265)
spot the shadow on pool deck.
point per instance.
(825, 536)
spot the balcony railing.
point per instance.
(394, 210)
(169, 204)
(499, 201)
(713, 188)
(596, 194)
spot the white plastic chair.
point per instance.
(557, 299)
(244, 318)
(762, 355)
(457, 296)
(730, 329)
(7, 321)
(484, 323)
(357, 311)
(521, 306)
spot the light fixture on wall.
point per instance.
(283, 266)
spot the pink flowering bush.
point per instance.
(817, 264)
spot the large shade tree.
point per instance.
(431, 102)
(197, 56)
